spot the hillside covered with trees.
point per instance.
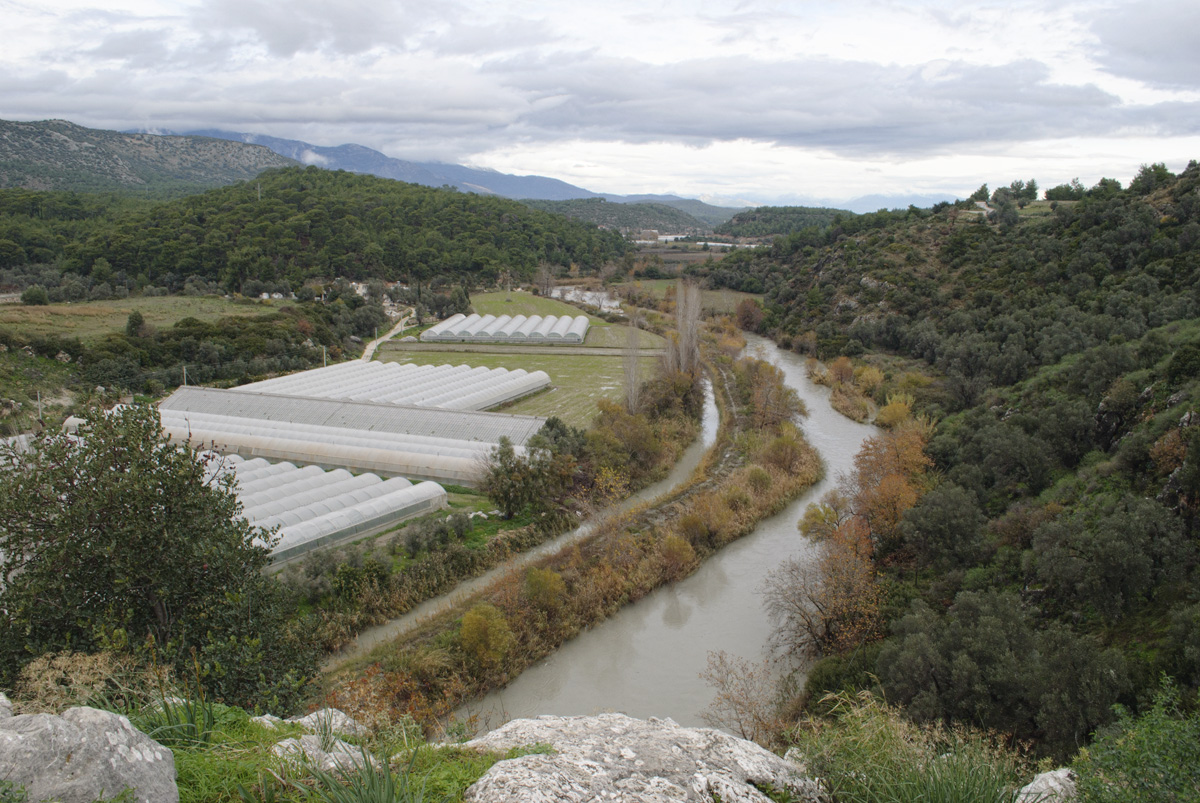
(626, 218)
(772, 221)
(1019, 550)
(292, 225)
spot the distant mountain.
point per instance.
(361, 159)
(625, 217)
(58, 155)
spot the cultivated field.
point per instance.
(94, 319)
(720, 301)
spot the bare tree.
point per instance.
(682, 354)
(633, 354)
(747, 696)
(545, 279)
(826, 601)
(687, 322)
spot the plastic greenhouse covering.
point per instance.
(488, 328)
(451, 387)
(313, 508)
(416, 442)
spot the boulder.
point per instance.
(268, 721)
(335, 756)
(332, 720)
(83, 756)
(5, 706)
(1056, 786)
(615, 758)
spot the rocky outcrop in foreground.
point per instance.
(82, 756)
(1055, 786)
(613, 757)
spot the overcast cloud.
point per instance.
(752, 99)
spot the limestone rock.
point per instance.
(332, 720)
(1056, 786)
(615, 758)
(338, 758)
(84, 755)
(268, 721)
(5, 706)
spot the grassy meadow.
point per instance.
(92, 320)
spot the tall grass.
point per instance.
(866, 752)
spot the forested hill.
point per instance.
(772, 221)
(293, 224)
(1046, 566)
(58, 155)
(626, 218)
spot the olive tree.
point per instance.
(119, 539)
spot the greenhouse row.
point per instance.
(395, 440)
(452, 387)
(509, 329)
(314, 508)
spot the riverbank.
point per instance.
(759, 462)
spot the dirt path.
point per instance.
(401, 325)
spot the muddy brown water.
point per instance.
(646, 660)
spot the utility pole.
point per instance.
(185, 375)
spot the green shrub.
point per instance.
(759, 479)
(1152, 757)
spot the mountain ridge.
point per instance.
(61, 155)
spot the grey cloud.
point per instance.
(139, 48)
(486, 40)
(1154, 42)
(843, 106)
(345, 27)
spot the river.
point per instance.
(646, 660)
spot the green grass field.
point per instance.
(94, 319)
(720, 301)
(522, 303)
(579, 380)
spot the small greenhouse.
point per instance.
(314, 508)
(505, 329)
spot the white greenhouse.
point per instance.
(451, 387)
(390, 439)
(505, 329)
(314, 508)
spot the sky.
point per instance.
(752, 101)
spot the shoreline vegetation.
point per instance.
(758, 463)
